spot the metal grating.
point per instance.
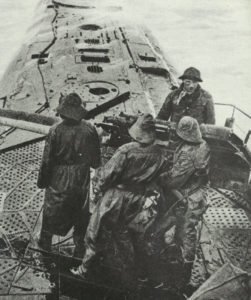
(236, 198)
(33, 164)
(21, 201)
(5, 251)
(18, 174)
(231, 194)
(224, 218)
(216, 199)
(30, 219)
(8, 268)
(22, 194)
(19, 243)
(36, 202)
(16, 201)
(12, 177)
(237, 247)
(12, 223)
(199, 273)
(236, 238)
(2, 200)
(28, 155)
(225, 237)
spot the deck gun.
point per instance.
(117, 127)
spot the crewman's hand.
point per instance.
(163, 178)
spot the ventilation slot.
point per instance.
(94, 69)
(42, 55)
(98, 59)
(92, 41)
(3, 99)
(147, 58)
(95, 50)
(92, 27)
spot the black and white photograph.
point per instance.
(125, 150)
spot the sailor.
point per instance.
(125, 181)
(187, 178)
(71, 148)
(189, 100)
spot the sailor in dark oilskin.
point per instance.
(188, 175)
(126, 182)
(189, 100)
(71, 148)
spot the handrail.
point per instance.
(234, 108)
(248, 134)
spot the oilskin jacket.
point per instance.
(70, 150)
(189, 161)
(125, 181)
(190, 168)
(199, 105)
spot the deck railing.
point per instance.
(235, 108)
(241, 119)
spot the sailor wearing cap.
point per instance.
(189, 100)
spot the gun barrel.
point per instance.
(29, 126)
(28, 117)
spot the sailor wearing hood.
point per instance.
(189, 100)
(71, 148)
(125, 182)
(187, 177)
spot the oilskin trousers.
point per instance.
(119, 211)
(186, 228)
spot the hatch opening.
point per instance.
(92, 27)
(99, 91)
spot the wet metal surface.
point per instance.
(225, 236)
(19, 216)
